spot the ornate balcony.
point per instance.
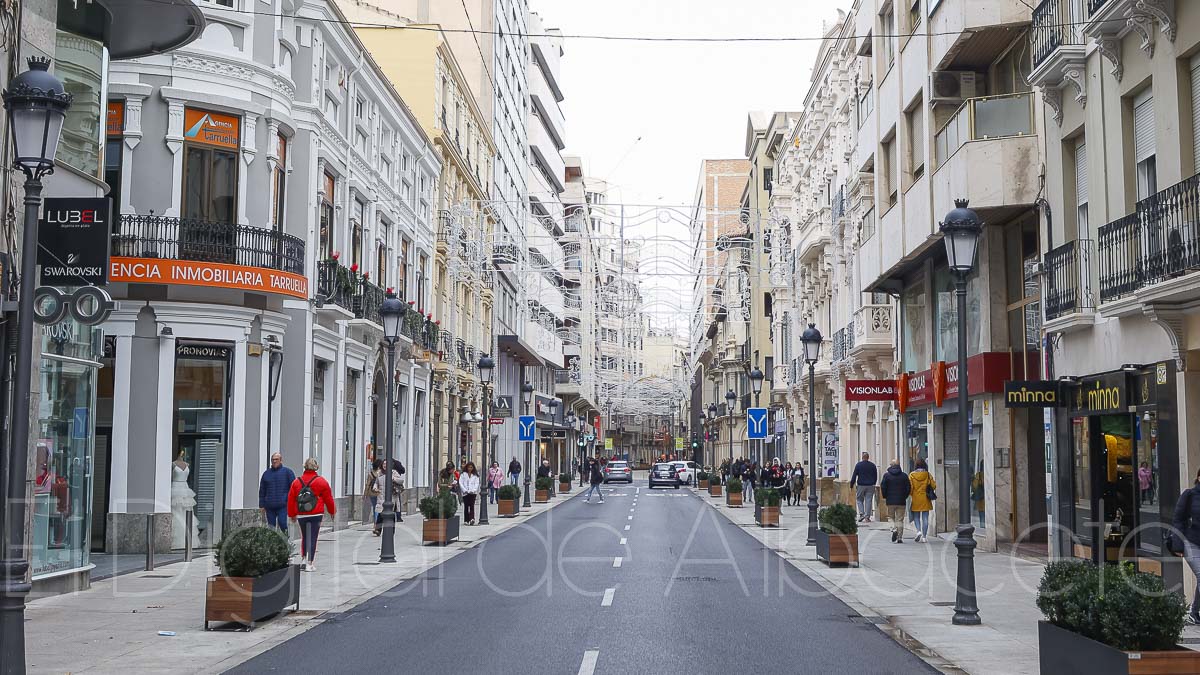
(872, 334)
(1069, 279)
(1059, 51)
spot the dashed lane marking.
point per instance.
(626, 527)
(617, 561)
(623, 540)
(608, 597)
(588, 667)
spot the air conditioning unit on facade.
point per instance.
(951, 86)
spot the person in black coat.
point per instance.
(863, 481)
(596, 478)
(1187, 528)
(895, 488)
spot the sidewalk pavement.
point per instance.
(908, 591)
(114, 625)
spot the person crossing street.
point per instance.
(596, 478)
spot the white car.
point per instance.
(686, 471)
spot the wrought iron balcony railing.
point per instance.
(173, 238)
(1055, 23)
(839, 345)
(1068, 278)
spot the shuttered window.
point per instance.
(1143, 144)
(1196, 111)
(1081, 189)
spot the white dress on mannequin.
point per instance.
(182, 501)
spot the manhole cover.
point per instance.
(868, 620)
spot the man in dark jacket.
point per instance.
(895, 488)
(514, 471)
(596, 478)
(273, 493)
(863, 481)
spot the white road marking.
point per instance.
(608, 597)
(589, 662)
(617, 561)
(631, 510)
(626, 527)
(623, 540)
(631, 517)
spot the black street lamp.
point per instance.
(730, 403)
(554, 403)
(961, 230)
(487, 367)
(37, 103)
(756, 383)
(569, 422)
(811, 340)
(526, 397)
(712, 424)
(391, 315)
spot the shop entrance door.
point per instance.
(201, 405)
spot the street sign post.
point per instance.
(756, 422)
(679, 443)
(525, 427)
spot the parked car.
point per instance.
(664, 473)
(686, 471)
(618, 470)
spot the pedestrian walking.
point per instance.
(596, 478)
(468, 484)
(1144, 476)
(381, 479)
(749, 477)
(895, 487)
(308, 500)
(371, 490)
(923, 489)
(273, 492)
(798, 483)
(863, 481)
(1187, 527)
(495, 479)
(543, 470)
(448, 478)
(514, 471)
(786, 488)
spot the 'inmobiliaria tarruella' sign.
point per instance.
(197, 273)
(870, 390)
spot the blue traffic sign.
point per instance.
(525, 427)
(756, 422)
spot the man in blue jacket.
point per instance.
(863, 480)
(273, 493)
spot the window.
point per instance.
(866, 105)
(359, 108)
(402, 275)
(385, 168)
(767, 179)
(360, 141)
(887, 36)
(331, 107)
(381, 258)
(1081, 190)
(356, 233)
(915, 121)
(422, 261)
(280, 180)
(210, 166)
(325, 242)
(1144, 145)
(113, 148)
(887, 153)
(914, 15)
(1195, 77)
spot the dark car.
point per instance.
(664, 473)
(618, 470)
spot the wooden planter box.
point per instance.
(837, 548)
(564, 488)
(733, 499)
(246, 600)
(766, 516)
(704, 484)
(714, 490)
(541, 496)
(1062, 652)
(440, 531)
(508, 508)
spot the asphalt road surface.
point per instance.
(648, 582)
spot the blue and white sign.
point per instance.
(526, 425)
(756, 422)
(79, 424)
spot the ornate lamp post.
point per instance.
(960, 231)
(570, 421)
(391, 315)
(811, 340)
(756, 383)
(712, 429)
(526, 398)
(487, 367)
(37, 103)
(554, 403)
(730, 403)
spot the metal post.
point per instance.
(14, 566)
(812, 455)
(187, 527)
(966, 607)
(150, 542)
(387, 519)
(486, 431)
(528, 450)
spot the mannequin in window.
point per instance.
(182, 501)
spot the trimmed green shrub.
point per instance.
(543, 483)
(253, 552)
(838, 519)
(733, 485)
(702, 475)
(508, 492)
(564, 478)
(444, 505)
(1113, 604)
(767, 497)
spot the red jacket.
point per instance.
(320, 487)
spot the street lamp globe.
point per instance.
(571, 419)
(465, 416)
(961, 230)
(487, 367)
(37, 103)
(730, 401)
(553, 406)
(526, 393)
(811, 340)
(391, 312)
(478, 418)
(712, 411)
(756, 380)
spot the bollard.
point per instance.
(149, 542)
(187, 546)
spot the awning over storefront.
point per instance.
(144, 27)
(521, 351)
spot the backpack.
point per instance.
(306, 499)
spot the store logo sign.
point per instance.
(193, 351)
(211, 128)
(871, 390)
(1102, 394)
(73, 241)
(1031, 394)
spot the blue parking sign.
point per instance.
(756, 422)
(525, 427)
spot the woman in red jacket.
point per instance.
(308, 500)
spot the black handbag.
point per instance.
(930, 493)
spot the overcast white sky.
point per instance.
(687, 101)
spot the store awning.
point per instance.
(146, 27)
(521, 350)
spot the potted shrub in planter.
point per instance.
(564, 483)
(441, 519)
(766, 507)
(256, 580)
(541, 493)
(702, 476)
(837, 534)
(733, 492)
(1110, 619)
(714, 485)
(508, 501)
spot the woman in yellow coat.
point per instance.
(923, 486)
